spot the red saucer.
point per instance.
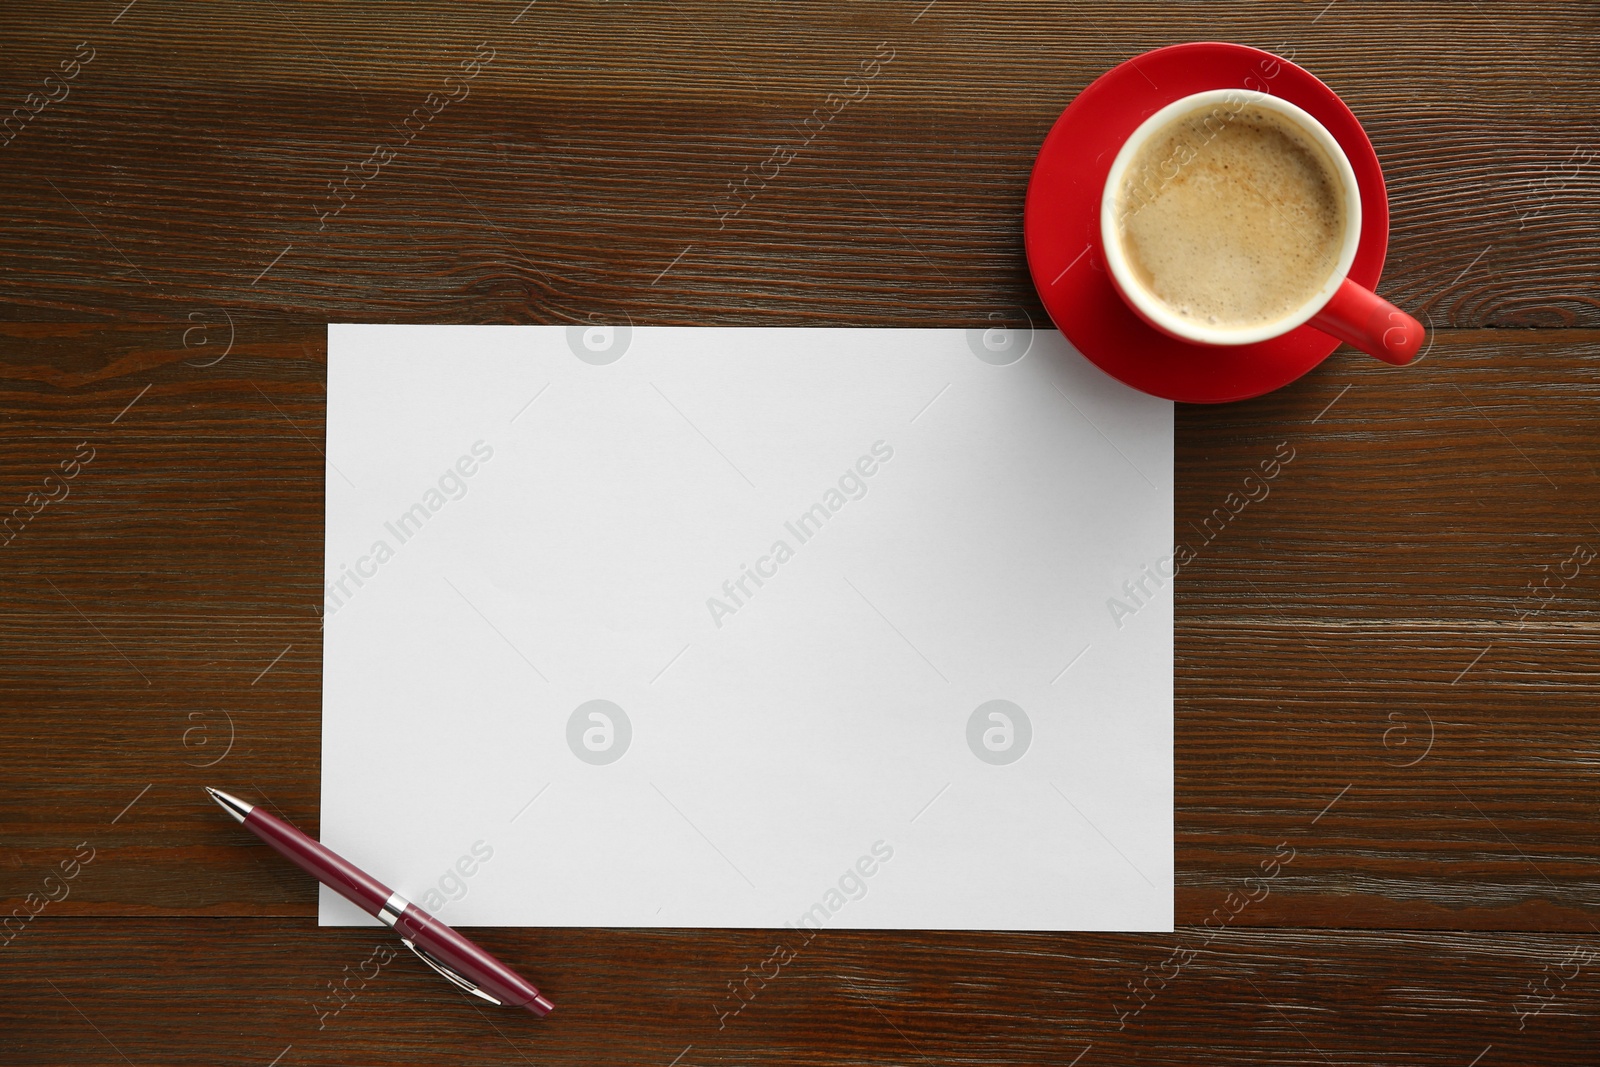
(1061, 223)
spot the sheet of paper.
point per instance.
(747, 628)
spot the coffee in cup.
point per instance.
(1232, 216)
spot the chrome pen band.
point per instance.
(392, 909)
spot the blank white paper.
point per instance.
(670, 627)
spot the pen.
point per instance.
(464, 964)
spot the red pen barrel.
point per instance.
(464, 963)
(492, 976)
(318, 861)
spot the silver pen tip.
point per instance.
(231, 804)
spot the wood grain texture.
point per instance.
(591, 153)
(1383, 663)
(247, 990)
(186, 562)
(1327, 631)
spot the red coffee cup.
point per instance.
(1339, 307)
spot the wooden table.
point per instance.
(1386, 669)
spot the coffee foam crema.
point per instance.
(1232, 216)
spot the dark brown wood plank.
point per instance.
(582, 174)
(1386, 660)
(1325, 634)
(178, 991)
(1436, 492)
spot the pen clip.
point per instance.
(444, 970)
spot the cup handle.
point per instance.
(1363, 319)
